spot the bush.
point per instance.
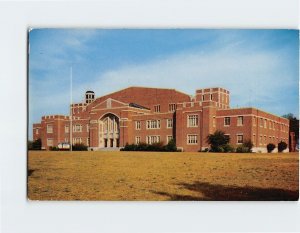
(79, 147)
(248, 144)
(270, 147)
(53, 148)
(228, 148)
(35, 145)
(171, 146)
(242, 149)
(217, 140)
(282, 146)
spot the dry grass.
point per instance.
(162, 176)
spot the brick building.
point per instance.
(139, 114)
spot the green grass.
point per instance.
(162, 176)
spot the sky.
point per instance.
(260, 68)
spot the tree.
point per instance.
(217, 140)
(171, 146)
(270, 147)
(35, 145)
(282, 146)
(294, 124)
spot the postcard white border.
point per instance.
(20, 215)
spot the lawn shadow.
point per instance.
(216, 192)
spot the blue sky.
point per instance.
(259, 67)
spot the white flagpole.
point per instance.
(71, 101)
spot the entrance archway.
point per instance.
(109, 131)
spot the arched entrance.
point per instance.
(109, 131)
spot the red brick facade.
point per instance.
(138, 114)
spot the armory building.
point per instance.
(139, 114)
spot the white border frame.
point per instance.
(20, 215)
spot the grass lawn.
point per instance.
(154, 176)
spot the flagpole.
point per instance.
(71, 107)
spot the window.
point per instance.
(169, 138)
(214, 122)
(66, 129)
(157, 108)
(137, 140)
(172, 107)
(265, 139)
(36, 131)
(254, 139)
(260, 140)
(273, 125)
(153, 139)
(153, 124)
(87, 128)
(137, 125)
(202, 97)
(169, 123)
(211, 96)
(192, 139)
(240, 120)
(240, 138)
(88, 141)
(227, 136)
(270, 124)
(254, 121)
(265, 123)
(261, 122)
(49, 142)
(49, 128)
(77, 128)
(192, 120)
(227, 121)
(77, 140)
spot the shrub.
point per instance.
(171, 146)
(270, 147)
(282, 146)
(248, 144)
(242, 149)
(217, 140)
(79, 147)
(53, 148)
(35, 145)
(228, 148)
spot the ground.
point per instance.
(162, 176)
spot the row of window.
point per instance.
(76, 128)
(75, 141)
(172, 107)
(272, 124)
(240, 121)
(152, 139)
(263, 139)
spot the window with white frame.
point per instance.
(87, 128)
(203, 98)
(172, 107)
(77, 128)
(137, 125)
(270, 124)
(88, 141)
(169, 138)
(227, 121)
(157, 108)
(66, 129)
(214, 121)
(211, 96)
(254, 121)
(265, 139)
(192, 139)
(261, 122)
(137, 140)
(192, 120)
(240, 120)
(260, 140)
(49, 141)
(49, 128)
(240, 138)
(77, 140)
(153, 139)
(153, 124)
(36, 131)
(227, 136)
(169, 123)
(265, 123)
